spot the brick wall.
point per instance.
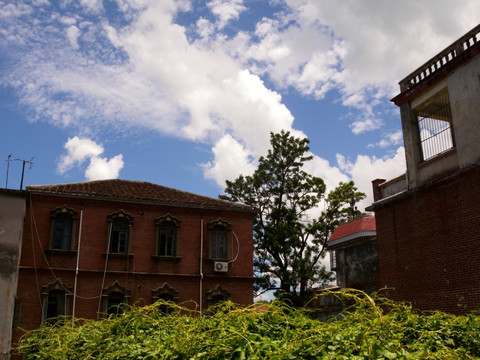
(140, 273)
(429, 245)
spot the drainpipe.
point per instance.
(201, 267)
(76, 269)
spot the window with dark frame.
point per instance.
(166, 241)
(167, 235)
(115, 297)
(168, 295)
(62, 233)
(216, 296)
(63, 228)
(120, 230)
(219, 234)
(55, 305)
(119, 237)
(218, 243)
(115, 304)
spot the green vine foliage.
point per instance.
(369, 327)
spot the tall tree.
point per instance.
(289, 240)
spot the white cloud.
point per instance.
(92, 5)
(230, 157)
(363, 125)
(378, 35)
(102, 168)
(394, 138)
(81, 149)
(365, 169)
(361, 49)
(72, 34)
(149, 73)
(78, 150)
(226, 10)
(331, 175)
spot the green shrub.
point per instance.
(370, 328)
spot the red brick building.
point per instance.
(89, 247)
(428, 220)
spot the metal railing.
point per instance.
(434, 126)
(466, 42)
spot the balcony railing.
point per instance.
(466, 42)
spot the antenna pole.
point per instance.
(23, 168)
(23, 172)
(8, 167)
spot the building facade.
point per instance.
(353, 254)
(89, 248)
(428, 220)
(12, 213)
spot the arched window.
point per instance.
(217, 295)
(115, 304)
(165, 293)
(167, 233)
(219, 239)
(55, 300)
(63, 224)
(115, 297)
(120, 230)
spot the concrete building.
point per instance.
(12, 213)
(428, 220)
(88, 248)
(353, 254)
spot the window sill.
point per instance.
(437, 157)
(212, 260)
(118, 255)
(166, 258)
(61, 252)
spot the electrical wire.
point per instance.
(105, 269)
(37, 235)
(238, 248)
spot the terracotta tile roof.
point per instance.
(361, 225)
(137, 191)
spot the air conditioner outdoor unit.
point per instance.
(220, 266)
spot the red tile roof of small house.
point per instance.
(365, 224)
(136, 191)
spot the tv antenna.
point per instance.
(9, 158)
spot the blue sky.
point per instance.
(185, 93)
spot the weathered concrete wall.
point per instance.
(357, 265)
(464, 93)
(12, 214)
(463, 86)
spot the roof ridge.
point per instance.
(131, 190)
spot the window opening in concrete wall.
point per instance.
(333, 259)
(435, 125)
